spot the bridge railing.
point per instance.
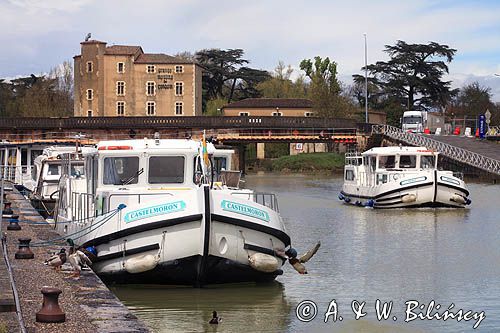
(72, 123)
(450, 151)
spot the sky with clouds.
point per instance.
(40, 34)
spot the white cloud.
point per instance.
(40, 32)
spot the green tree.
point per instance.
(413, 75)
(325, 90)
(280, 85)
(473, 100)
(226, 76)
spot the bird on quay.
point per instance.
(57, 260)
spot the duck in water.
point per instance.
(215, 319)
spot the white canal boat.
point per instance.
(397, 177)
(159, 211)
(46, 172)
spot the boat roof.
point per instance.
(393, 150)
(146, 144)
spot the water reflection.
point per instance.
(250, 307)
(446, 255)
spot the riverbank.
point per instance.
(88, 304)
(306, 163)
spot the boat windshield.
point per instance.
(407, 161)
(427, 161)
(412, 120)
(166, 169)
(117, 170)
(387, 162)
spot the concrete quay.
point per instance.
(88, 304)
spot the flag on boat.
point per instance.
(204, 149)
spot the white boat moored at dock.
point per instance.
(162, 212)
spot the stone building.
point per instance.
(121, 80)
(261, 107)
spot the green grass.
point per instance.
(309, 162)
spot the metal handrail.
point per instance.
(453, 152)
(265, 199)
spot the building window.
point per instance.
(179, 88)
(120, 108)
(150, 108)
(179, 69)
(150, 69)
(277, 114)
(245, 114)
(89, 113)
(178, 108)
(308, 114)
(90, 94)
(90, 67)
(120, 67)
(150, 88)
(120, 88)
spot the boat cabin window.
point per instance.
(166, 169)
(54, 170)
(427, 162)
(407, 161)
(349, 175)
(77, 170)
(373, 163)
(381, 178)
(121, 170)
(387, 162)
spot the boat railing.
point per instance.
(16, 173)
(82, 207)
(115, 199)
(459, 154)
(266, 199)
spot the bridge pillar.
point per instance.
(261, 151)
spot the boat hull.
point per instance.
(208, 241)
(185, 271)
(434, 190)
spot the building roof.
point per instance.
(123, 50)
(159, 58)
(93, 41)
(288, 103)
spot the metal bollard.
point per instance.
(7, 210)
(24, 251)
(50, 311)
(14, 223)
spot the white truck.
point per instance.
(419, 121)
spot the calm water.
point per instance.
(450, 256)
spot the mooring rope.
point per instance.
(90, 228)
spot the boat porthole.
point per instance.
(223, 245)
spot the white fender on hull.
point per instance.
(409, 198)
(264, 262)
(141, 264)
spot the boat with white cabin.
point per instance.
(165, 212)
(399, 176)
(46, 172)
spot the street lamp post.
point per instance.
(366, 82)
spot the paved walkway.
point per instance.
(486, 148)
(89, 305)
